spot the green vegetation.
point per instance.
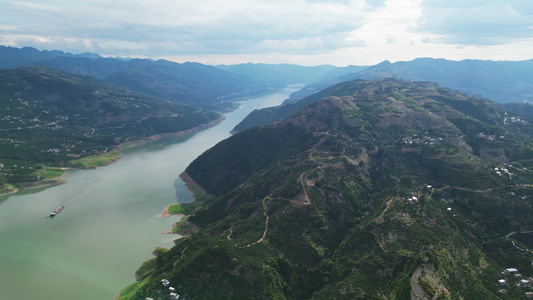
(385, 190)
(184, 208)
(7, 189)
(46, 172)
(50, 118)
(96, 160)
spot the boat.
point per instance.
(56, 211)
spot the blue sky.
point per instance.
(307, 32)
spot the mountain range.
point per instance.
(188, 83)
(498, 81)
(395, 181)
(382, 189)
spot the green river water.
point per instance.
(110, 224)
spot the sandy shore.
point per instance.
(165, 214)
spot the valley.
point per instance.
(392, 181)
(111, 221)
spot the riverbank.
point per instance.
(107, 158)
(8, 189)
(183, 210)
(11, 189)
(153, 138)
(165, 213)
(101, 160)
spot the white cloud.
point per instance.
(210, 26)
(477, 22)
(340, 32)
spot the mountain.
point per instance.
(100, 68)
(383, 189)
(11, 57)
(331, 78)
(277, 113)
(281, 74)
(499, 81)
(51, 117)
(195, 84)
(190, 83)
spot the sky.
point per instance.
(305, 32)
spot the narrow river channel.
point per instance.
(110, 223)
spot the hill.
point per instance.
(383, 189)
(277, 113)
(48, 117)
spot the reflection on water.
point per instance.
(110, 223)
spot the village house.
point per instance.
(525, 283)
(510, 271)
(412, 200)
(165, 282)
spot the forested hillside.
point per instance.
(384, 189)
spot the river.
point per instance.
(110, 224)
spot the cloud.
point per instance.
(375, 3)
(476, 22)
(211, 26)
(320, 31)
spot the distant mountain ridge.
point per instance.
(191, 83)
(499, 81)
(11, 57)
(280, 74)
(382, 189)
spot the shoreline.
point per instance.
(50, 182)
(165, 214)
(185, 177)
(153, 138)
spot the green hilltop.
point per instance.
(384, 189)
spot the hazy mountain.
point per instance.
(100, 68)
(51, 117)
(384, 189)
(11, 57)
(500, 81)
(281, 74)
(332, 77)
(190, 83)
